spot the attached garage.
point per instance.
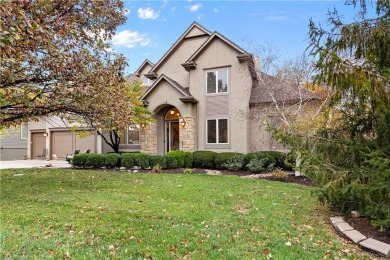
(38, 145)
(65, 142)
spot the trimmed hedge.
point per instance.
(204, 159)
(112, 160)
(188, 159)
(95, 160)
(223, 158)
(171, 162)
(278, 157)
(155, 160)
(79, 160)
(127, 160)
(180, 157)
(142, 160)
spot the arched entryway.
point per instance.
(172, 129)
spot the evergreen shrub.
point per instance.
(112, 160)
(171, 162)
(127, 160)
(235, 163)
(79, 160)
(188, 159)
(94, 160)
(222, 158)
(204, 159)
(180, 157)
(142, 160)
(157, 160)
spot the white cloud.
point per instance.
(147, 13)
(174, 8)
(195, 7)
(130, 39)
(216, 10)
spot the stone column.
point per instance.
(187, 134)
(149, 138)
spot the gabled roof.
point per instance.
(209, 40)
(187, 97)
(146, 62)
(173, 47)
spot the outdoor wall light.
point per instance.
(183, 123)
(172, 112)
(46, 134)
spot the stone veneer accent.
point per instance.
(149, 138)
(187, 134)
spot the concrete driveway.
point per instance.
(34, 164)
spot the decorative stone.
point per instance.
(376, 246)
(343, 226)
(355, 214)
(336, 220)
(355, 235)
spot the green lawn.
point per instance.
(48, 213)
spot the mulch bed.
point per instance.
(363, 226)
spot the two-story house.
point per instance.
(203, 93)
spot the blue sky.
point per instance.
(153, 26)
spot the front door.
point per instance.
(171, 135)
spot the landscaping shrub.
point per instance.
(258, 164)
(171, 162)
(204, 159)
(142, 160)
(94, 160)
(235, 163)
(278, 157)
(279, 174)
(188, 159)
(180, 157)
(266, 155)
(289, 161)
(365, 189)
(156, 168)
(155, 160)
(79, 160)
(187, 171)
(112, 160)
(222, 158)
(127, 160)
(248, 158)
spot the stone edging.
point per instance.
(357, 237)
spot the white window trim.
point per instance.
(21, 131)
(217, 131)
(216, 81)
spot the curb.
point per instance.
(358, 238)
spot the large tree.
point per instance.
(55, 59)
(350, 157)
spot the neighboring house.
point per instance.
(205, 93)
(13, 143)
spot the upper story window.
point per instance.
(24, 131)
(130, 136)
(217, 81)
(146, 81)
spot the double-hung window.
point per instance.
(217, 81)
(217, 131)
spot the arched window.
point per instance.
(172, 114)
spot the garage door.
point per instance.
(64, 143)
(38, 145)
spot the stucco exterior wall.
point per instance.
(219, 55)
(172, 66)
